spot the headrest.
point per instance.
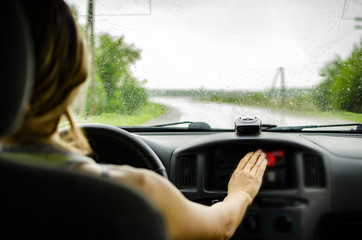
(16, 64)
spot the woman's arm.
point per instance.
(188, 220)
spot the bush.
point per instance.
(321, 96)
(127, 99)
(118, 90)
(133, 98)
(342, 86)
(347, 86)
(255, 98)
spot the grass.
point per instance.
(148, 112)
(349, 116)
(306, 106)
(297, 104)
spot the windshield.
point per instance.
(286, 62)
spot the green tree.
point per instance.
(133, 97)
(120, 91)
(116, 89)
(341, 88)
(347, 86)
(113, 60)
(322, 93)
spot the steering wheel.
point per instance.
(117, 146)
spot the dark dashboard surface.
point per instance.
(311, 189)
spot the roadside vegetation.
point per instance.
(302, 102)
(112, 94)
(342, 85)
(146, 113)
(339, 95)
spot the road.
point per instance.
(219, 115)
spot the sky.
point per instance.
(229, 44)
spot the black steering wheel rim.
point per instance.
(121, 137)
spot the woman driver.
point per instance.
(61, 68)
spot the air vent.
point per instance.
(314, 174)
(186, 172)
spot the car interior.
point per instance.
(40, 202)
(312, 188)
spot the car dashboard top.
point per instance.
(310, 190)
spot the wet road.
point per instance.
(223, 115)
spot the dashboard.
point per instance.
(311, 188)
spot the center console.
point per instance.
(222, 162)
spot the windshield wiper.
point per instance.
(318, 127)
(191, 125)
(268, 126)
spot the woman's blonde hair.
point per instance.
(61, 67)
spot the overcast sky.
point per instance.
(229, 44)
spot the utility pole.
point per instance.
(282, 94)
(271, 92)
(90, 36)
(282, 87)
(348, 14)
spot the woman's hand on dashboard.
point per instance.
(247, 177)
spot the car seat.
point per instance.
(45, 203)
